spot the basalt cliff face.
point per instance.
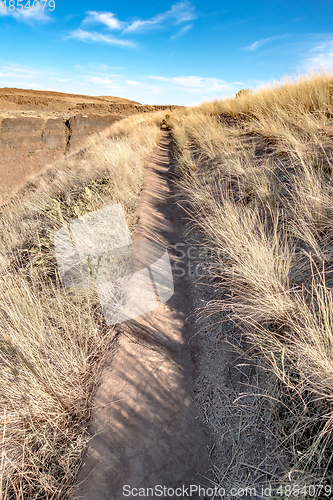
(37, 128)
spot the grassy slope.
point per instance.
(257, 172)
(52, 339)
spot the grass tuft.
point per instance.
(256, 172)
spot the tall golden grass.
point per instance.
(257, 174)
(53, 340)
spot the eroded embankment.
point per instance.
(29, 144)
(38, 127)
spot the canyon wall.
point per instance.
(38, 128)
(29, 144)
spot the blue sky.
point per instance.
(162, 52)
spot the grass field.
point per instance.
(256, 172)
(54, 339)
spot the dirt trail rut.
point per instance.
(147, 427)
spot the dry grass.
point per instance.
(52, 339)
(257, 174)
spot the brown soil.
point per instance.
(146, 427)
(37, 128)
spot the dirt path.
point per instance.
(149, 432)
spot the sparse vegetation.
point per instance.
(242, 92)
(53, 340)
(256, 172)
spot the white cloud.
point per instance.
(88, 36)
(196, 84)
(119, 82)
(18, 71)
(100, 80)
(18, 75)
(179, 13)
(105, 81)
(320, 56)
(97, 67)
(143, 25)
(311, 51)
(257, 44)
(107, 18)
(28, 16)
(260, 43)
(24, 76)
(102, 66)
(61, 79)
(182, 31)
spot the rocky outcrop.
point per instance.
(29, 144)
(31, 134)
(39, 127)
(80, 126)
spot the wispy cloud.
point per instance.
(89, 36)
(17, 71)
(97, 67)
(179, 13)
(182, 31)
(311, 51)
(259, 43)
(61, 79)
(320, 55)
(107, 18)
(197, 84)
(21, 71)
(25, 76)
(117, 82)
(100, 80)
(27, 16)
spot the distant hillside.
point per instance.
(37, 128)
(13, 101)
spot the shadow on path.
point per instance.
(146, 428)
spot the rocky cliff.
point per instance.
(38, 128)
